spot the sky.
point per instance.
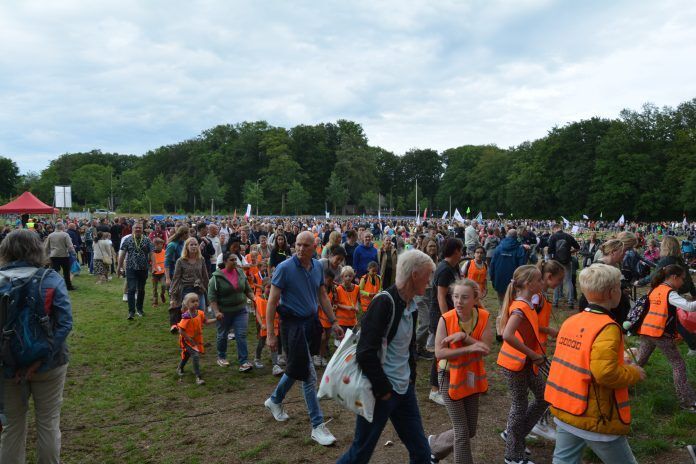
(129, 76)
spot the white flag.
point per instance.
(584, 216)
(479, 217)
(327, 214)
(565, 221)
(248, 211)
(685, 223)
(444, 216)
(499, 214)
(457, 216)
(622, 220)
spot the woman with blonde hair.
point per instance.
(334, 240)
(190, 276)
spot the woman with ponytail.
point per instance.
(520, 358)
(659, 328)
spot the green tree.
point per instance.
(337, 192)
(369, 201)
(132, 185)
(252, 194)
(91, 184)
(298, 198)
(159, 194)
(178, 193)
(9, 177)
(212, 190)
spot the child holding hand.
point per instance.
(191, 335)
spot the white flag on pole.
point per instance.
(685, 223)
(584, 216)
(248, 211)
(565, 221)
(479, 217)
(457, 215)
(327, 214)
(621, 220)
(444, 216)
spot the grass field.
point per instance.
(124, 402)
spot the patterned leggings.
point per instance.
(667, 345)
(464, 416)
(523, 416)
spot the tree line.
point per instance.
(641, 164)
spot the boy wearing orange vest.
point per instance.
(157, 266)
(370, 285)
(477, 270)
(588, 380)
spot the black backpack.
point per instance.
(562, 254)
(636, 315)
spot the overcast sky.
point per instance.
(128, 76)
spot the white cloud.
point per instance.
(130, 76)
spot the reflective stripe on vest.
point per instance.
(346, 317)
(568, 387)
(477, 275)
(509, 357)
(656, 319)
(368, 287)
(467, 372)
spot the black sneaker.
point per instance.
(131, 317)
(527, 451)
(425, 354)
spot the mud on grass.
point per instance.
(124, 402)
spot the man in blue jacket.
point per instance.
(507, 257)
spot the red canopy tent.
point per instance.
(27, 203)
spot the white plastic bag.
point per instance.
(344, 381)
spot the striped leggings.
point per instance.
(464, 416)
(668, 346)
(523, 416)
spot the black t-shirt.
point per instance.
(350, 249)
(116, 235)
(444, 276)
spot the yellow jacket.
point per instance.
(601, 415)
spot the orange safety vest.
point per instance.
(370, 288)
(346, 317)
(467, 372)
(515, 360)
(257, 283)
(323, 318)
(477, 275)
(158, 264)
(658, 311)
(570, 378)
(261, 304)
(544, 317)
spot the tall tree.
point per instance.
(297, 198)
(9, 177)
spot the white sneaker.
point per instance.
(544, 430)
(125, 297)
(692, 452)
(436, 397)
(223, 362)
(231, 336)
(527, 451)
(322, 435)
(316, 360)
(278, 371)
(281, 360)
(258, 364)
(278, 411)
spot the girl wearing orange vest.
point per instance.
(347, 299)
(158, 278)
(477, 270)
(261, 303)
(659, 328)
(463, 337)
(322, 359)
(370, 285)
(190, 329)
(519, 358)
(589, 379)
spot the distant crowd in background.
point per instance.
(304, 281)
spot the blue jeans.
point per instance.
(309, 391)
(240, 321)
(404, 414)
(135, 280)
(567, 284)
(569, 449)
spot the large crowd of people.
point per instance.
(419, 286)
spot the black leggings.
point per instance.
(187, 353)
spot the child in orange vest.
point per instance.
(477, 270)
(191, 335)
(261, 303)
(520, 358)
(322, 359)
(157, 266)
(463, 337)
(370, 285)
(347, 300)
(589, 379)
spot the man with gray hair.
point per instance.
(58, 247)
(393, 312)
(471, 238)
